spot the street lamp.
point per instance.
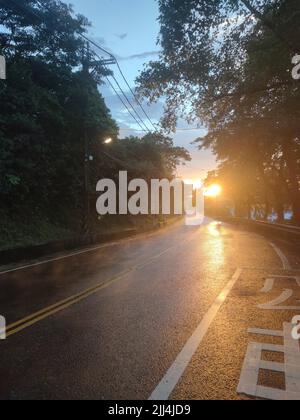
(88, 159)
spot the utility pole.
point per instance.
(89, 69)
(86, 227)
(87, 157)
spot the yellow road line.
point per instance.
(34, 318)
(53, 309)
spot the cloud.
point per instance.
(121, 36)
(143, 55)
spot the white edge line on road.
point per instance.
(84, 251)
(63, 257)
(79, 252)
(176, 371)
(285, 262)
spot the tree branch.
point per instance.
(269, 24)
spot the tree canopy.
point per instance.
(228, 64)
(51, 110)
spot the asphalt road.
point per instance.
(164, 314)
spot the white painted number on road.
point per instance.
(290, 368)
(277, 304)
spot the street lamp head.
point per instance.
(108, 140)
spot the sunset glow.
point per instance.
(197, 183)
(213, 190)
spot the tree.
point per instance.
(152, 156)
(47, 103)
(51, 112)
(231, 69)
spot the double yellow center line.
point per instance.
(32, 319)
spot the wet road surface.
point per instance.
(164, 314)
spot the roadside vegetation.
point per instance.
(228, 64)
(49, 104)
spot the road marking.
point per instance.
(87, 250)
(269, 283)
(280, 276)
(59, 306)
(150, 261)
(253, 363)
(274, 305)
(292, 270)
(270, 333)
(72, 300)
(285, 295)
(176, 371)
(63, 257)
(268, 286)
(285, 262)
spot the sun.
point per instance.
(213, 190)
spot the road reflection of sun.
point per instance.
(214, 229)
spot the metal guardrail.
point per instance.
(278, 226)
(272, 229)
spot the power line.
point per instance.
(121, 99)
(131, 129)
(177, 130)
(123, 76)
(97, 46)
(190, 129)
(123, 93)
(141, 123)
(138, 120)
(135, 97)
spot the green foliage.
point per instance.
(153, 156)
(50, 108)
(228, 64)
(46, 103)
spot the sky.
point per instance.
(129, 29)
